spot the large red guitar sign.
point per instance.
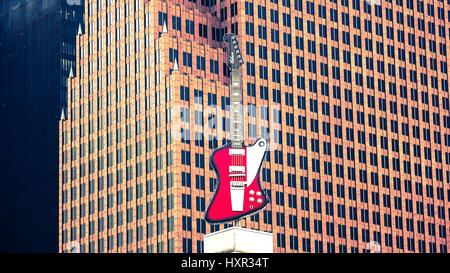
(239, 191)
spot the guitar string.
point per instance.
(238, 159)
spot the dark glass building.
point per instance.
(37, 51)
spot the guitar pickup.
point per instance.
(237, 151)
(237, 169)
(237, 175)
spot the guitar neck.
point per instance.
(236, 111)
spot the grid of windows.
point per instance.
(353, 94)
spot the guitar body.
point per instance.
(239, 191)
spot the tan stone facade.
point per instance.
(354, 96)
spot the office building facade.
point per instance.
(353, 96)
(38, 49)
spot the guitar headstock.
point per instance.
(234, 53)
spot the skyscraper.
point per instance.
(38, 49)
(352, 94)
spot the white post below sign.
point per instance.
(238, 240)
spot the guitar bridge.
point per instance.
(237, 184)
(237, 195)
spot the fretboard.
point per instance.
(236, 109)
